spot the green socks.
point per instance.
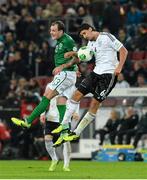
(42, 106)
(61, 109)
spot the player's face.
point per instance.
(55, 33)
(87, 34)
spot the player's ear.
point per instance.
(90, 29)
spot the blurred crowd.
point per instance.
(26, 49)
(126, 129)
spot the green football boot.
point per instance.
(53, 165)
(20, 122)
(71, 137)
(66, 169)
(61, 128)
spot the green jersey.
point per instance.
(64, 44)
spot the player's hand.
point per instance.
(67, 55)
(42, 119)
(70, 54)
(117, 70)
(75, 116)
(78, 73)
(57, 70)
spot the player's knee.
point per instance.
(94, 106)
(50, 93)
(77, 96)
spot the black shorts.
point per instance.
(99, 85)
(49, 127)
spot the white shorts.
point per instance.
(63, 83)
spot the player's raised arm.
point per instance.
(118, 46)
(122, 58)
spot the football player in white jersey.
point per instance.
(51, 120)
(100, 82)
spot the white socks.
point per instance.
(51, 150)
(87, 119)
(66, 153)
(70, 109)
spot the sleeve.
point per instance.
(114, 43)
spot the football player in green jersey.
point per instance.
(64, 75)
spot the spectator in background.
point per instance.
(121, 82)
(137, 132)
(128, 122)
(111, 17)
(3, 77)
(109, 128)
(10, 88)
(141, 40)
(47, 65)
(20, 91)
(141, 81)
(4, 136)
(54, 9)
(137, 69)
(124, 38)
(31, 31)
(32, 91)
(83, 16)
(32, 53)
(134, 16)
(16, 65)
(9, 40)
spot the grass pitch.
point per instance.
(79, 170)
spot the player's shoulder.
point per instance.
(68, 38)
(107, 35)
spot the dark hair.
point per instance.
(60, 25)
(85, 26)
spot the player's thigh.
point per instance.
(62, 81)
(77, 96)
(49, 93)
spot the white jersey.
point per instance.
(105, 51)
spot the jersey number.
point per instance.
(56, 81)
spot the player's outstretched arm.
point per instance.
(70, 54)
